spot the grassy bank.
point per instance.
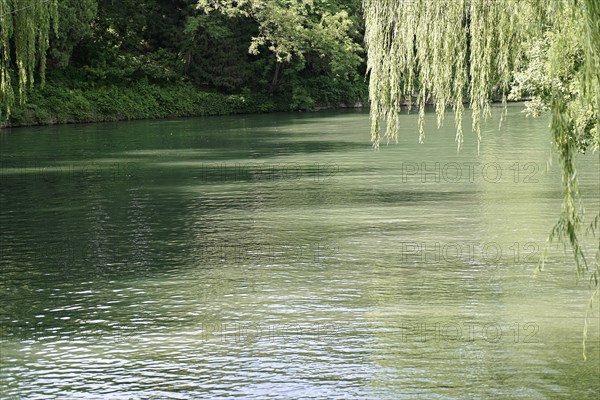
(55, 104)
(59, 105)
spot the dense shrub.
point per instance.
(57, 104)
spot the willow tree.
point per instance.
(24, 32)
(450, 51)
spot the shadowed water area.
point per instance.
(279, 256)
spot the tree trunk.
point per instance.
(274, 82)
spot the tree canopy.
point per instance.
(301, 53)
(304, 31)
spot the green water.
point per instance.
(279, 256)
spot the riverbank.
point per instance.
(55, 104)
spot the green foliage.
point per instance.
(553, 67)
(300, 34)
(216, 52)
(308, 92)
(297, 48)
(444, 49)
(76, 18)
(441, 51)
(57, 104)
(24, 30)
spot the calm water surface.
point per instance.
(279, 256)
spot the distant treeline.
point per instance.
(112, 60)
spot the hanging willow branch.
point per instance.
(24, 30)
(446, 52)
(443, 52)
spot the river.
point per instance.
(279, 256)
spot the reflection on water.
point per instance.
(279, 256)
